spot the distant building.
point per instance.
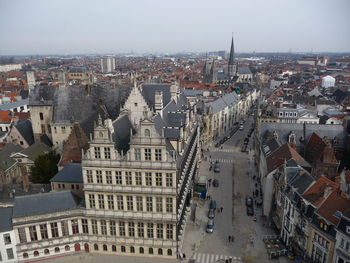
(107, 64)
(10, 67)
(81, 75)
(328, 81)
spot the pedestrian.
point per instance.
(184, 256)
(229, 238)
(218, 210)
(221, 208)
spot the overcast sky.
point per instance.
(115, 26)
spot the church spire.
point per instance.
(231, 60)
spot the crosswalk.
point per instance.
(213, 258)
(226, 150)
(223, 160)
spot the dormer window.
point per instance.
(147, 133)
(100, 134)
(348, 229)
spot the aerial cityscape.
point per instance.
(187, 131)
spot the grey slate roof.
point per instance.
(36, 149)
(244, 70)
(5, 160)
(5, 219)
(47, 203)
(149, 90)
(283, 130)
(302, 182)
(24, 127)
(71, 173)
(15, 104)
(76, 104)
(122, 133)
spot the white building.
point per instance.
(107, 64)
(8, 243)
(10, 67)
(342, 245)
(328, 81)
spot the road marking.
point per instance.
(211, 258)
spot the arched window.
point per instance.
(104, 247)
(160, 251)
(141, 250)
(67, 248)
(36, 253)
(46, 251)
(150, 251)
(25, 255)
(114, 248)
(95, 247)
(147, 133)
(132, 250)
(170, 252)
(122, 248)
(57, 249)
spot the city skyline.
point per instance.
(37, 27)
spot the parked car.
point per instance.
(250, 211)
(210, 226)
(211, 213)
(216, 183)
(249, 201)
(212, 204)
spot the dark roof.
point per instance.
(47, 203)
(70, 173)
(5, 152)
(5, 219)
(149, 90)
(36, 149)
(284, 129)
(78, 103)
(122, 133)
(244, 70)
(231, 60)
(302, 182)
(24, 127)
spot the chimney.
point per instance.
(25, 178)
(173, 91)
(158, 101)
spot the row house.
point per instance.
(219, 117)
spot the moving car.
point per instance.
(216, 183)
(212, 204)
(211, 213)
(241, 128)
(249, 201)
(216, 167)
(210, 226)
(250, 211)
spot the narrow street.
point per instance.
(235, 183)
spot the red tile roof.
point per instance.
(335, 202)
(5, 116)
(320, 190)
(283, 153)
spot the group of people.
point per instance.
(231, 239)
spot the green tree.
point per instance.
(44, 168)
